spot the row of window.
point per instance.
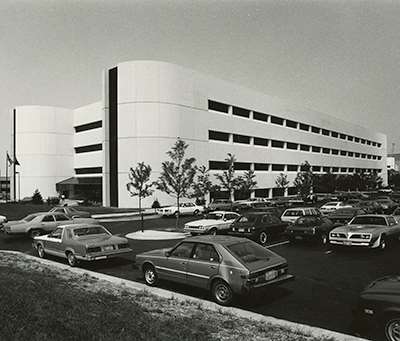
(88, 148)
(259, 141)
(237, 111)
(89, 170)
(88, 126)
(244, 166)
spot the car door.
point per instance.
(202, 265)
(53, 242)
(61, 219)
(48, 223)
(173, 267)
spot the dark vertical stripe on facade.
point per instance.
(14, 153)
(113, 126)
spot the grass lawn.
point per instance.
(16, 211)
(38, 302)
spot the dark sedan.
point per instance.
(310, 228)
(379, 307)
(258, 226)
(224, 265)
(343, 215)
(71, 212)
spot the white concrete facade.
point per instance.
(153, 103)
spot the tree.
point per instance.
(177, 175)
(227, 179)
(325, 183)
(139, 185)
(394, 178)
(304, 181)
(202, 185)
(247, 182)
(282, 182)
(37, 198)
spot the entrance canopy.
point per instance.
(89, 188)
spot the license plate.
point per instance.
(271, 275)
(108, 248)
(241, 230)
(298, 237)
(347, 243)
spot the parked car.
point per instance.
(291, 214)
(224, 265)
(315, 228)
(396, 214)
(258, 226)
(39, 223)
(216, 222)
(249, 205)
(78, 242)
(71, 212)
(371, 231)
(379, 308)
(387, 205)
(3, 220)
(220, 205)
(186, 208)
(276, 211)
(369, 206)
(343, 215)
(333, 206)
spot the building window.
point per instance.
(363, 141)
(278, 168)
(305, 127)
(241, 139)
(290, 145)
(259, 141)
(334, 134)
(325, 132)
(351, 170)
(350, 154)
(277, 144)
(368, 142)
(240, 166)
(292, 168)
(305, 148)
(335, 169)
(316, 149)
(218, 136)
(89, 170)
(291, 124)
(343, 136)
(335, 151)
(316, 168)
(379, 157)
(326, 150)
(261, 192)
(277, 120)
(261, 166)
(373, 157)
(326, 169)
(343, 153)
(89, 148)
(369, 156)
(315, 130)
(350, 138)
(218, 106)
(343, 170)
(357, 139)
(217, 165)
(363, 156)
(241, 112)
(357, 155)
(260, 116)
(88, 126)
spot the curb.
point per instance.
(121, 215)
(313, 331)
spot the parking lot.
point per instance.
(323, 294)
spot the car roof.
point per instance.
(300, 208)
(374, 215)
(223, 212)
(221, 239)
(74, 226)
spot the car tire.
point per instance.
(35, 232)
(40, 251)
(392, 328)
(213, 231)
(196, 212)
(222, 292)
(382, 243)
(71, 259)
(263, 238)
(324, 239)
(150, 275)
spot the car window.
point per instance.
(61, 217)
(231, 216)
(216, 216)
(48, 218)
(205, 252)
(293, 213)
(30, 217)
(69, 234)
(90, 230)
(249, 252)
(56, 234)
(183, 250)
(391, 221)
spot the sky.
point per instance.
(337, 57)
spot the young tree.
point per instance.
(202, 185)
(247, 182)
(304, 181)
(37, 198)
(227, 179)
(140, 185)
(177, 175)
(282, 182)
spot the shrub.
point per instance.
(155, 204)
(37, 198)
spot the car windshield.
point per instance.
(306, 221)
(293, 213)
(30, 217)
(87, 231)
(245, 219)
(331, 204)
(368, 220)
(216, 216)
(249, 252)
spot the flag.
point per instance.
(9, 160)
(16, 162)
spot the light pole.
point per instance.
(19, 185)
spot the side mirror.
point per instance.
(167, 253)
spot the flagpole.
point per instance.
(7, 184)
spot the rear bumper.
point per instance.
(99, 256)
(277, 281)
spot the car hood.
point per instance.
(205, 222)
(264, 264)
(389, 285)
(100, 240)
(358, 228)
(16, 222)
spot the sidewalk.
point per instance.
(146, 212)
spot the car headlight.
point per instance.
(334, 235)
(313, 230)
(366, 236)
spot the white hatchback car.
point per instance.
(291, 214)
(187, 208)
(333, 206)
(213, 223)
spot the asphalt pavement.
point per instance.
(323, 294)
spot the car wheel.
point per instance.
(263, 238)
(213, 231)
(382, 243)
(196, 212)
(392, 328)
(40, 251)
(35, 232)
(150, 275)
(324, 239)
(222, 292)
(72, 261)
